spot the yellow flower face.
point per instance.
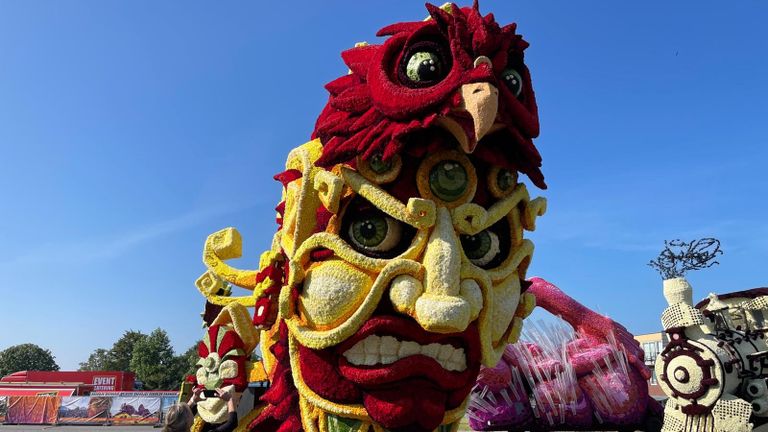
(415, 277)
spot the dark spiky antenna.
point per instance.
(678, 256)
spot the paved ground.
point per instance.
(40, 428)
(33, 428)
(37, 428)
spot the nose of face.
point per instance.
(440, 308)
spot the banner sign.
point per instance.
(84, 410)
(104, 382)
(32, 409)
(42, 390)
(135, 410)
(135, 393)
(166, 403)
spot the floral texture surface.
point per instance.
(398, 267)
(583, 373)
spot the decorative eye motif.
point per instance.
(482, 248)
(378, 170)
(513, 80)
(423, 67)
(424, 64)
(378, 165)
(506, 180)
(448, 178)
(374, 232)
(501, 182)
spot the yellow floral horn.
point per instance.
(237, 316)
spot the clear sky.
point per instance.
(131, 130)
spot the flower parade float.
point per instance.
(397, 274)
(715, 366)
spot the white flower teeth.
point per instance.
(386, 350)
(408, 348)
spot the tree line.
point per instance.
(26, 357)
(149, 356)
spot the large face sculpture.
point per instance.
(403, 222)
(399, 265)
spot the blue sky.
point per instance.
(129, 131)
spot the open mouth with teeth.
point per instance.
(383, 350)
(402, 374)
(391, 348)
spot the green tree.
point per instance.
(154, 363)
(26, 357)
(119, 356)
(188, 362)
(97, 361)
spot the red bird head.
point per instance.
(458, 71)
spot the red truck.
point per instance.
(65, 383)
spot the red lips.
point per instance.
(413, 393)
(415, 366)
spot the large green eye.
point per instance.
(424, 67)
(448, 180)
(424, 63)
(506, 180)
(378, 166)
(374, 232)
(513, 81)
(481, 248)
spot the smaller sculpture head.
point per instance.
(221, 365)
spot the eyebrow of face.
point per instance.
(418, 212)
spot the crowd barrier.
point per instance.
(85, 410)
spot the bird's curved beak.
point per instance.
(476, 115)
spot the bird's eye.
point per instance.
(424, 67)
(482, 248)
(513, 81)
(372, 232)
(424, 64)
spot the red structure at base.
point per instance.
(65, 383)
